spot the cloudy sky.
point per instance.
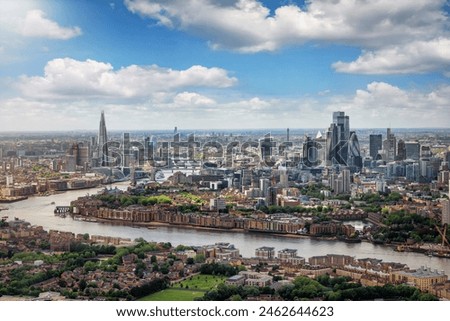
(217, 64)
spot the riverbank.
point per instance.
(13, 199)
(155, 225)
(39, 211)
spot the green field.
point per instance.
(173, 295)
(187, 290)
(200, 282)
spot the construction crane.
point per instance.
(443, 234)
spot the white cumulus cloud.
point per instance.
(414, 57)
(382, 28)
(67, 78)
(192, 99)
(381, 104)
(36, 24)
(377, 105)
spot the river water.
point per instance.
(39, 211)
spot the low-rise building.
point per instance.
(265, 252)
(423, 278)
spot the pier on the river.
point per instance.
(62, 210)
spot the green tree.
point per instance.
(199, 258)
(82, 284)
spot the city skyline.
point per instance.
(223, 65)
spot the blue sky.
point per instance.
(210, 64)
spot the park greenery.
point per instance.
(192, 198)
(400, 226)
(128, 200)
(189, 289)
(322, 288)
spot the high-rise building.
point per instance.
(346, 179)
(447, 157)
(337, 137)
(77, 155)
(126, 150)
(354, 158)
(342, 145)
(310, 152)
(271, 198)
(267, 145)
(340, 183)
(412, 172)
(375, 145)
(102, 143)
(284, 178)
(412, 150)
(246, 177)
(401, 150)
(390, 146)
(446, 212)
(264, 185)
(425, 151)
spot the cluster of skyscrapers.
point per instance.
(398, 158)
(336, 153)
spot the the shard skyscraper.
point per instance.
(102, 140)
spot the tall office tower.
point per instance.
(271, 198)
(148, 150)
(340, 142)
(346, 179)
(126, 150)
(176, 146)
(354, 158)
(264, 185)
(343, 122)
(390, 146)
(266, 145)
(164, 153)
(340, 183)
(446, 208)
(337, 138)
(246, 177)
(83, 154)
(287, 135)
(412, 172)
(284, 178)
(401, 150)
(191, 146)
(310, 153)
(375, 145)
(102, 140)
(80, 152)
(412, 150)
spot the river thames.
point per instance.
(38, 210)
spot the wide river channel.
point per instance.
(38, 210)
